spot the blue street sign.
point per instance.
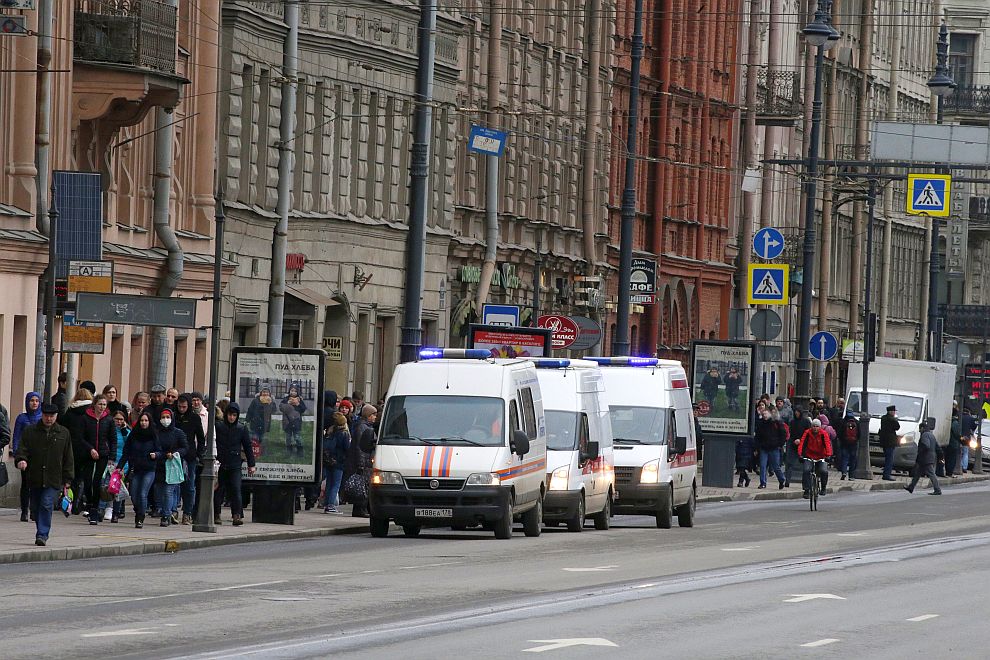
(768, 243)
(486, 140)
(768, 284)
(507, 315)
(928, 194)
(823, 346)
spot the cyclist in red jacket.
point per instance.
(814, 444)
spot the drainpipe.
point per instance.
(287, 127)
(888, 194)
(592, 110)
(42, 162)
(164, 139)
(491, 178)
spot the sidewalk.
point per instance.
(75, 538)
(712, 494)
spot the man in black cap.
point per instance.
(888, 440)
(929, 453)
(44, 458)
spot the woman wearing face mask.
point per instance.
(141, 453)
(99, 444)
(171, 441)
(123, 430)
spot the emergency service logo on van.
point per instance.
(564, 331)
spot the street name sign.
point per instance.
(929, 194)
(768, 284)
(768, 243)
(136, 310)
(823, 346)
(488, 141)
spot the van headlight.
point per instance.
(381, 478)
(558, 479)
(483, 479)
(651, 473)
(974, 444)
(908, 437)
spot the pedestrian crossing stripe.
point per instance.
(768, 284)
(929, 194)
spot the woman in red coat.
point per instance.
(814, 444)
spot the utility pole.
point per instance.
(494, 83)
(50, 297)
(620, 343)
(412, 321)
(863, 469)
(941, 84)
(42, 164)
(537, 277)
(749, 153)
(286, 129)
(207, 480)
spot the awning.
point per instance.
(309, 296)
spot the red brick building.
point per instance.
(684, 178)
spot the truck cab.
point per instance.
(656, 458)
(580, 465)
(912, 409)
(462, 442)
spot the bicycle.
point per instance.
(816, 483)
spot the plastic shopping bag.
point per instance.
(123, 494)
(174, 472)
(115, 482)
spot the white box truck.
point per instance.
(919, 390)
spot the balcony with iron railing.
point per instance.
(968, 100)
(965, 320)
(137, 33)
(778, 97)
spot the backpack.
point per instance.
(850, 432)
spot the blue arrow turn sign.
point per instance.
(823, 346)
(768, 243)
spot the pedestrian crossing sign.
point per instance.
(928, 194)
(768, 284)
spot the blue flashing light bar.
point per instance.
(551, 363)
(454, 353)
(623, 361)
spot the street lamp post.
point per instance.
(821, 35)
(941, 85)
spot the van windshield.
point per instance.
(908, 407)
(638, 426)
(562, 430)
(433, 420)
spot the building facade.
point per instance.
(111, 98)
(685, 179)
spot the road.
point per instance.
(882, 574)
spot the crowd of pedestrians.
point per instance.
(89, 453)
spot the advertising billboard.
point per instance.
(510, 342)
(722, 385)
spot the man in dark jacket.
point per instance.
(44, 457)
(798, 426)
(770, 438)
(732, 382)
(929, 453)
(191, 424)
(61, 396)
(888, 440)
(231, 441)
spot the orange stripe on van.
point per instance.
(446, 454)
(427, 467)
(523, 470)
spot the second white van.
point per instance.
(580, 466)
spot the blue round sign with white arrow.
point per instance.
(823, 346)
(768, 243)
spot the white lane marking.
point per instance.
(555, 644)
(645, 586)
(820, 642)
(129, 632)
(440, 563)
(923, 617)
(374, 571)
(331, 575)
(591, 569)
(800, 598)
(742, 549)
(193, 593)
(851, 534)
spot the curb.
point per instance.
(170, 545)
(867, 487)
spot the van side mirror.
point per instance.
(680, 444)
(519, 443)
(591, 452)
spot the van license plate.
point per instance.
(434, 513)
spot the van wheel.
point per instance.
(411, 530)
(379, 527)
(603, 517)
(665, 510)
(685, 512)
(576, 523)
(503, 526)
(533, 519)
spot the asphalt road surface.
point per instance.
(879, 575)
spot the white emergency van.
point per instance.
(656, 459)
(580, 467)
(462, 442)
